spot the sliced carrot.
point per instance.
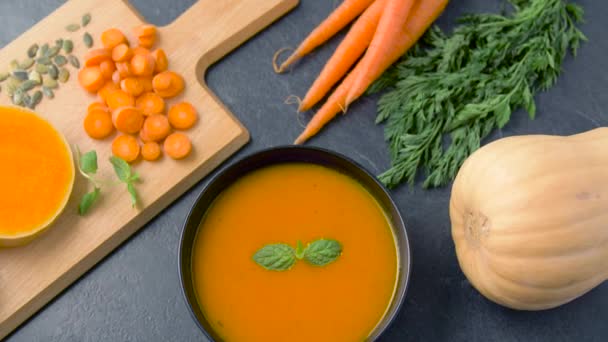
(128, 119)
(112, 37)
(162, 63)
(146, 82)
(182, 116)
(91, 78)
(174, 81)
(144, 30)
(143, 135)
(118, 98)
(125, 147)
(131, 85)
(98, 124)
(106, 90)
(146, 41)
(337, 20)
(348, 52)
(97, 105)
(150, 151)
(96, 56)
(107, 68)
(157, 127)
(116, 77)
(142, 65)
(121, 53)
(150, 103)
(177, 146)
(140, 50)
(124, 69)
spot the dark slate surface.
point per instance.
(134, 294)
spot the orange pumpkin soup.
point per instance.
(341, 301)
(36, 176)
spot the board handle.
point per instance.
(201, 29)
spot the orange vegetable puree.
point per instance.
(36, 173)
(342, 301)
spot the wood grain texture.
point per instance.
(32, 275)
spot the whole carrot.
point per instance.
(350, 49)
(423, 14)
(336, 21)
(383, 53)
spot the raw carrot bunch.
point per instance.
(384, 31)
(133, 84)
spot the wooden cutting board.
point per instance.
(32, 275)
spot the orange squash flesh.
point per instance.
(36, 176)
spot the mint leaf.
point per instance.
(323, 251)
(87, 201)
(275, 257)
(133, 193)
(300, 250)
(121, 168)
(88, 162)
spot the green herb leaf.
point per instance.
(88, 162)
(133, 193)
(300, 250)
(275, 257)
(121, 168)
(323, 251)
(87, 201)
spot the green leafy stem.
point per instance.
(281, 256)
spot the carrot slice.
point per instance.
(131, 85)
(150, 151)
(177, 146)
(124, 69)
(125, 147)
(150, 103)
(128, 119)
(98, 124)
(96, 56)
(157, 127)
(91, 78)
(143, 135)
(140, 50)
(146, 82)
(118, 98)
(144, 30)
(121, 52)
(112, 37)
(146, 41)
(107, 68)
(97, 106)
(116, 77)
(106, 90)
(182, 116)
(162, 63)
(175, 84)
(142, 65)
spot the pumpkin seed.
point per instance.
(26, 63)
(0, 89)
(31, 52)
(49, 83)
(14, 64)
(35, 76)
(20, 75)
(48, 92)
(43, 60)
(26, 100)
(27, 85)
(60, 60)
(42, 69)
(68, 46)
(10, 90)
(59, 42)
(74, 61)
(53, 51)
(36, 98)
(4, 76)
(53, 71)
(86, 19)
(43, 50)
(87, 39)
(64, 75)
(18, 97)
(13, 82)
(72, 27)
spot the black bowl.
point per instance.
(280, 155)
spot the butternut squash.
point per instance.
(36, 176)
(529, 218)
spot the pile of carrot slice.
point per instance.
(384, 31)
(132, 85)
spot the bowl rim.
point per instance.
(398, 297)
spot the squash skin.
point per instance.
(529, 218)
